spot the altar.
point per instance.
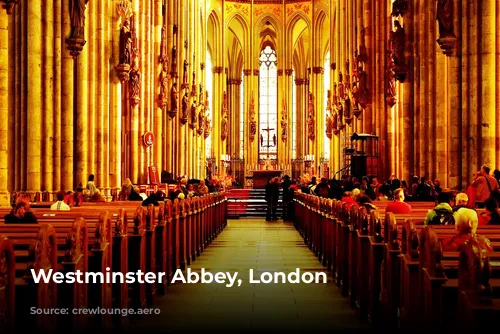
(260, 177)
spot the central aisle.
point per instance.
(263, 246)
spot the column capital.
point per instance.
(234, 82)
(318, 70)
(256, 72)
(9, 5)
(217, 69)
(280, 73)
(289, 71)
(299, 81)
(247, 71)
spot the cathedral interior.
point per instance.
(225, 97)
(220, 86)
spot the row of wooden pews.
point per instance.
(115, 235)
(391, 267)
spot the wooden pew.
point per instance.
(7, 284)
(478, 305)
(40, 247)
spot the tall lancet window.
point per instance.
(268, 104)
(242, 116)
(208, 85)
(326, 148)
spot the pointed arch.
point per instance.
(214, 40)
(240, 28)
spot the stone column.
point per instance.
(115, 118)
(82, 115)
(486, 110)
(158, 112)
(320, 112)
(67, 104)
(34, 95)
(47, 96)
(4, 109)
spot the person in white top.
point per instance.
(60, 205)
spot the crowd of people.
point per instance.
(450, 208)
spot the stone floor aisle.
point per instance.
(263, 246)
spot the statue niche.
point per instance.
(76, 40)
(194, 116)
(390, 81)
(397, 43)
(444, 16)
(184, 109)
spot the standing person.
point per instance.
(484, 185)
(286, 196)
(60, 205)
(272, 193)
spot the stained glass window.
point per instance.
(326, 148)
(268, 104)
(208, 84)
(242, 117)
(294, 117)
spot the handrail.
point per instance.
(341, 170)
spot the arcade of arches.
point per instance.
(87, 87)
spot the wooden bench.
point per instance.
(156, 239)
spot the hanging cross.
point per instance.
(268, 137)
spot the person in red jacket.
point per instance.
(399, 206)
(466, 222)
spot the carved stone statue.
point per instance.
(364, 96)
(174, 59)
(224, 102)
(335, 123)
(174, 98)
(208, 126)
(284, 129)
(445, 17)
(310, 127)
(347, 111)
(261, 140)
(164, 82)
(194, 116)
(135, 81)
(275, 140)
(201, 120)
(125, 43)
(194, 77)
(398, 40)
(77, 17)
(185, 77)
(185, 105)
(253, 129)
(329, 126)
(390, 81)
(223, 128)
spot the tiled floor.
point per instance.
(262, 246)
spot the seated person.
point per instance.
(202, 188)
(365, 200)
(322, 189)
(135, 194)
(348, 198)
(466, 222)
(461, 201)
(97, 197)
(60, 205)
(399, 206)
(21, 213)
(443, 212)
(490, 216)
(154, 198)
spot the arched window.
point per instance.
(326, 147)
(268, 104)
(242, 117)
(208, 84)
(294, 117)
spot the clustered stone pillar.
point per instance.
(4, 105)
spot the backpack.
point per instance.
(442, 217)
